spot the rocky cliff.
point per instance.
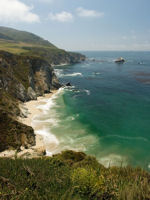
(55, 56)
(26, 72)
(25, 77)
(22, 78)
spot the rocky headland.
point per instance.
(25, 76)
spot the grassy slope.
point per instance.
(70, 176)
(22, 42)
(18, 42)
(23, 36)
(20, 47)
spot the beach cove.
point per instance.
(30, 110)
(98, 114)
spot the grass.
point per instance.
(70, 176)
(51, 54)
(22, 36)
(19, 47)
(11, 47)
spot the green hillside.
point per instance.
(22, 36)
(25, 43)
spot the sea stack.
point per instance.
(120, 60)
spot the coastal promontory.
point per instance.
(26, 72)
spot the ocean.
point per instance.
(106, 111)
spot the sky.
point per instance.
(82, 24)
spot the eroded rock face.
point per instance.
(43, 77)
(26, 77)
(22, 78)
(67, 58)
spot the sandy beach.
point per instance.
(31, 107)
(29, 111)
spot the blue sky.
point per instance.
(82, 24)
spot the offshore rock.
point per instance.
(68, 84)
(120, 60)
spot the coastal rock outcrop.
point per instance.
(25, 78)
(68, 84)
(55, 57)
(21, 79)
(42, 77)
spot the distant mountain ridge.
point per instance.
(22, 36)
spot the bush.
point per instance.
(68, 177)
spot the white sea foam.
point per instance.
(70, 88)
(58, 72)
(70, 118)
(87, 92)
(71, 75)
(113, 160)
(60, 65)
(50, 102)
(46, 106)
(51, 121)
(50, 140)
(74, 74)
(96, 73)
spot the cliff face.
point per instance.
(25, 77)
(55, 56)
(21, 78)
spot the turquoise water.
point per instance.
(107, 111)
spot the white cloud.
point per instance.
(16, 11)
(61, 17)
(88, 13)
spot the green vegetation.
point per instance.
(22, 42)
(22, 36)
(51, 54)
(70, 176)
(22, 135)
(10, 46)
